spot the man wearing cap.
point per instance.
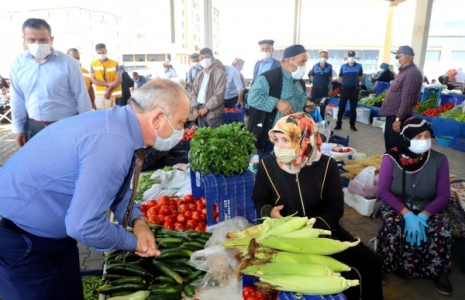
(139, 80)
(234, 92)
(350, 75)
(321, 76)
(401, 97)
(195, 68)
(266, 61)
(170, 72)
(276, 93)
(207, 94)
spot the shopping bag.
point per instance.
(364, 183)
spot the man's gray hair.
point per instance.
(158, 93)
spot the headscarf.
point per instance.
(406, 159)
(304, 138)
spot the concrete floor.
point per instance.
(368, 140)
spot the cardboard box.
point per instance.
(361, 204)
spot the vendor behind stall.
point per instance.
(56, 190)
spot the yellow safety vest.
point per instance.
(106, 71)
(86, 75)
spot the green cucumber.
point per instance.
(174, 233)
(174, 252)
(128, 279)
(189, 291)
(176, 289)
(162, 267)
(110, 289)
(128, 269)
(164, 279)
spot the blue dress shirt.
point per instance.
(46, 91)
(63, 181)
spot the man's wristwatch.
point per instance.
(397, 119)
(141, 217)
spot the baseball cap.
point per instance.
(351, 53)
(404, 50)
(271, 42)
(194, 55)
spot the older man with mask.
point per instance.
(207, 94)
(266, 62)
(46, 85)
(401, 97)
(195, 68)
(85, 168)
(276, 93)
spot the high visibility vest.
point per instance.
(86, 75)
(106, 71)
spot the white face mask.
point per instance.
(322, 60)
(102, 56)
(265, 55)
(206, 63)
(398, 65)
(419, 146)
(351, 60)
(299, 73)
(284, 155)
(165, 144)
(40, 51)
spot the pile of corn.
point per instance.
(354, 166)
(288, 254)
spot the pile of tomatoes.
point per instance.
(434, 112)
(187, 213)
(251, 293)
(342, 149)
(188, 134)
(231, 109)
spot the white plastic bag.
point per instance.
(324, 129)
(175, 182)
(364, 184)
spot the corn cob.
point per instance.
(290, 225)
(306, 232)
(239, 242)
(299, 258)
(289, 269)
(309, 285)
(253, 230)
(323, 246)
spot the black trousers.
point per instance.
(351, 95)
(317, 94)
(391, 138)
(230, 103)
(367, 263)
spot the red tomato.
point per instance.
(144, 207)
(152, 219)
(191, 206)
(178, 226)
(197, 216)
(199, 207)
(165, 210)
(204, 201)
(151, 203)
(173, 202)
(188, 198)
(182, 208)
(181, 219)
(251, 298)
(248, 291)
(259, 295)
(170, 218)
(204, 211)
(191, 224)
(164, 200)
(168, 225)
(153, 211)
(188, 214)
(200, 227)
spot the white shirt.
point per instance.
(201, 97)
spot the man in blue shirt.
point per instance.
(321, 76)
(47, 85)
(139, 80)
(195, 68)
(350, 76)
(266, 61)
(57, 189)
(234, 92)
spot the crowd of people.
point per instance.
(57, 188)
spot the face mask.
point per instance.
(284, 155)
(102, 56)
(39, 51)
(323, 60)
(299, 73)
(419, 146)
(351, 60)
(265, 55)
(398, 65)
(196, 65)
(165, 144)
(206, 63)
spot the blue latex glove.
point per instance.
(423, 219)
(412, 229)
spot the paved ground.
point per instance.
(368, 140)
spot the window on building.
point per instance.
(433, 55)
(457, 56)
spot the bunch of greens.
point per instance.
(428, 103)
(376, 101)
(89, 286)
(224, 150)
(145, 182)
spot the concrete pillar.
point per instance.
(208, 24)
(421, 30)
(297, 16)
(388, 37)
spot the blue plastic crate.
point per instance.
(230, 117)
(338, 139)
(232, 195)
(450, 98)
(381, 87)
(458, 143)
(428, 91)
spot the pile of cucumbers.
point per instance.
(166, 276)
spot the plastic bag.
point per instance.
(219, 263)
(324, 129)
(171, 183)
(364, 184)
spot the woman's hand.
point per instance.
(276, 211)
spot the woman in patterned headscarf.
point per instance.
(414, 236)
(299, 179)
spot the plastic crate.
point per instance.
(381, 87)
(230, 117)
(297, 296)
(456, 99)
(232, 195)
(363, 115)
(338, 139)
(428, 91)
(458, 143)
(444, 140)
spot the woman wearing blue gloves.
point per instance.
(414, 237)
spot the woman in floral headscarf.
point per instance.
(299, 179)
(414, 236)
